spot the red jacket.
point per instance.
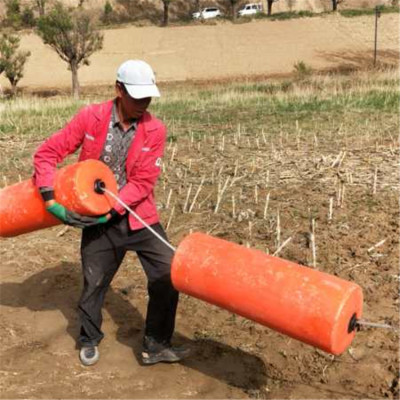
(88, 130)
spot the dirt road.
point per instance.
(221, 50)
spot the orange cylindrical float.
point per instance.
(22, 209)
(311, 306)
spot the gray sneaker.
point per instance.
(154, 352)
(89, 355)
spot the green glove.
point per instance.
(73, 218)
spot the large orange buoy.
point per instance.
(22, 209)
(308, 305)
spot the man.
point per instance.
(123, 135)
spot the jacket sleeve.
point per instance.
(141, 181)
(53, 151)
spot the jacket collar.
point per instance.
(105, 109)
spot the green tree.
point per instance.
(73, 36)
(12, 60)
(13, 13)
(8, 47)
(107, 14)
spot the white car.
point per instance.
(207, 13)
(250, 9)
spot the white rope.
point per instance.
(140, 220)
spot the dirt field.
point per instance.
(220, 51)
(300, 164)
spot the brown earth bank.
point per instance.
(222, 50)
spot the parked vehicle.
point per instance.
(250, 9)
(207, 13)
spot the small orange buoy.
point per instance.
(22, 209)
(308, 305)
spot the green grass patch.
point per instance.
(287, 15)
(368, 11)
(266, 98)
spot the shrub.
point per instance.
(28, 18)
(302, 70)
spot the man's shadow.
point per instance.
(59, 288)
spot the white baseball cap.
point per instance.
(138, 78)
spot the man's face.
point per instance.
(132, 108)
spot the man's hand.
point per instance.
(73, 218)
(70, 217)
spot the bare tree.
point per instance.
(73, 36)
(12, 60)
(233, 8)
(166, 4)
(269, 5)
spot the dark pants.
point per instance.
(103, 248)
